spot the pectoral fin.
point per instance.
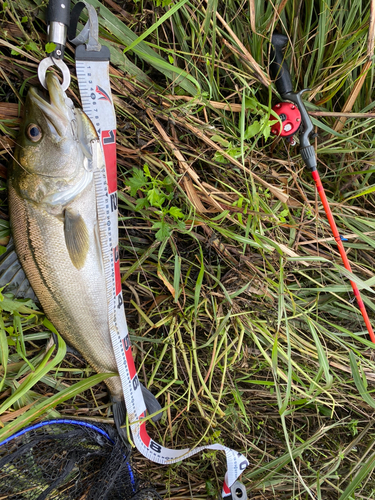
(76, 237)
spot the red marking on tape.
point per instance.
(117, 270)
(225, 487)
(129, 357)
(130, 362)
(109, 147)
(143, 434)
(103, 94)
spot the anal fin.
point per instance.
(69, 349)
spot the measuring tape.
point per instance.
(92, 69)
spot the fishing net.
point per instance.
(68, 460)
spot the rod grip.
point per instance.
(58, 11)
(278, 67)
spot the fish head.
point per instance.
(53, 146)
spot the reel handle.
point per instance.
(278, 67)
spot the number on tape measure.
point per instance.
(155, 446)
(110, 139)
(119, 301)
(113, 197)
(135, 382)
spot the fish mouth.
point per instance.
(56, 112)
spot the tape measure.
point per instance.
(93, 79)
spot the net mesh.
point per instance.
(67, 459)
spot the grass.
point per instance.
(240, 311)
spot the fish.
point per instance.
(55, 229)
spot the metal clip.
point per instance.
(238, 491)
(58, 18)
(51, 61)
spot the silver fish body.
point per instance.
(53, 214)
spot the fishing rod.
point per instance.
(294, 118)
(58, 19)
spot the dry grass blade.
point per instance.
(252, 15)
(339, 125)
(245, 53)
(185, 168)
(275, 190)
(371, 31)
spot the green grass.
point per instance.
(238, 305)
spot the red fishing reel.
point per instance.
(291, 120)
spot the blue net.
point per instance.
(68, 460)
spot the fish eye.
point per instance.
(34, 132)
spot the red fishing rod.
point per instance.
(295, 118)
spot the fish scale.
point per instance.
(75, 300)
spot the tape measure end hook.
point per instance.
(238, 491)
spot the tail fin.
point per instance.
(119, 411)
(152, 404)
